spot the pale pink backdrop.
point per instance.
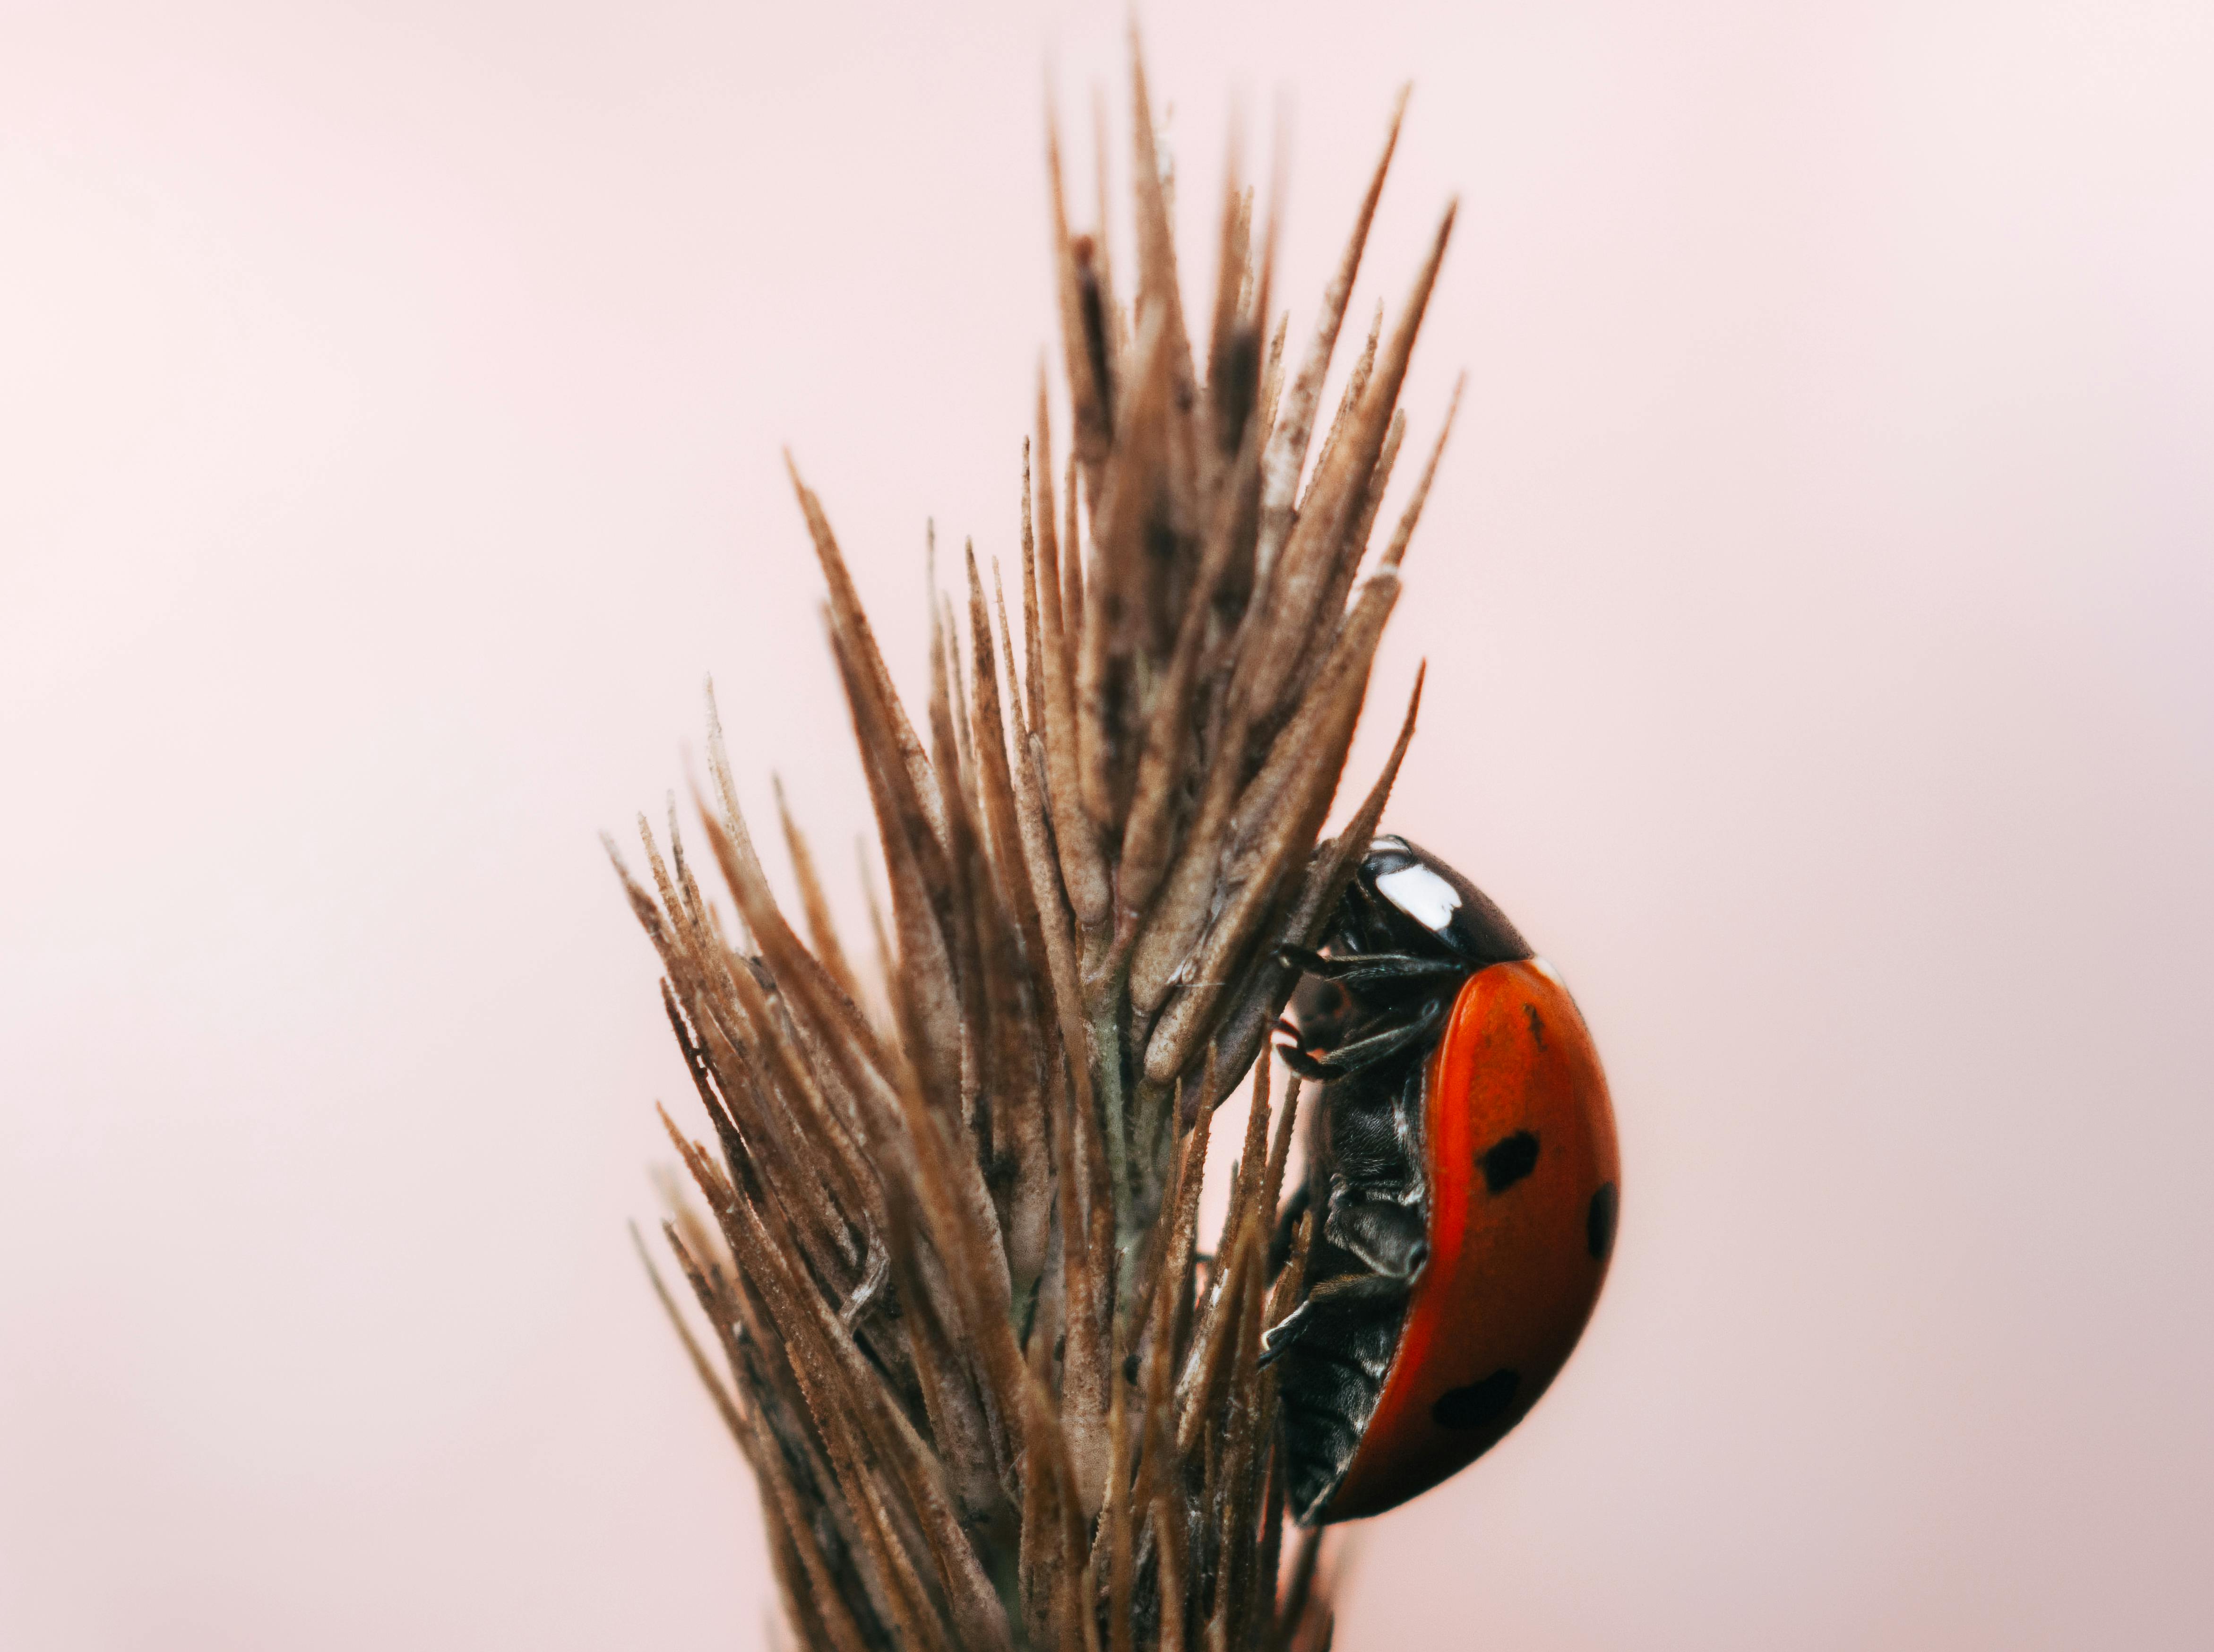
(1817, 597)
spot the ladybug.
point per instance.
(1463, 1166)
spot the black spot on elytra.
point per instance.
(1478, 1403)
(1508, 1161)
(1536, 1025)
(1599, 1221)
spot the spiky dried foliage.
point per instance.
(960, 1325)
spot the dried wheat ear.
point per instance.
(945, 1244)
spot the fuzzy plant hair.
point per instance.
(941, 1227)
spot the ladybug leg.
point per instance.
(1358, 1291)
(1353, 1296)
(1391, 1239)
(1387, 1238)
(1365, 1052)
(1369, 968)
(1277, 1340)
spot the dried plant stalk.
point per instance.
(946, 1245)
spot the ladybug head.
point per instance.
(1402, 899)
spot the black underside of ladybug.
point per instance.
(1407, 935)
(1334, 1352)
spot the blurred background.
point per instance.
(1817, 598)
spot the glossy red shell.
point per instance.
(1513, 1275)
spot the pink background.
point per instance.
(1819, 605)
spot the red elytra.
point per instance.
(1463, 1178)
(1512, 1277)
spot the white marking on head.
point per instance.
(1551, 974)
(1421, 894)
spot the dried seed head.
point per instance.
(945, 1242)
